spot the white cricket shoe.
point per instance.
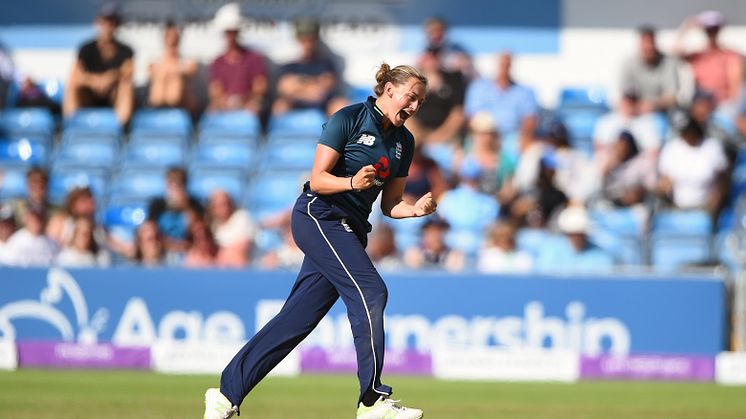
(217, 406)
(386, 408)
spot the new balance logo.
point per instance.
(346, 226)
(366, 139)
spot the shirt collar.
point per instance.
(374, 109)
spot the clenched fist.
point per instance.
(425, 205)
(364, 178)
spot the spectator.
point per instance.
(37, 195)
(102, 75)
(171, 75)
(629, 177)
(79, 203)
(483, 148)
(652, 74)
(452, 56)
(693, 170)
(286, 256)
(175, 212)
(441, 115)
(7, 228)
(382, 249)
(30, 95)
(466, 206)
(202, 251)
(150, 250)
(433, 252)
(628, 117)
(717, 69)
(29, 246)
(576, 176)
(513, 106)
(702, 110)
(574, 252)
(312, 80)
(233, 230)
(500, 255)
(535, 207)
(238, 77)
(424, 176)
(82, 251)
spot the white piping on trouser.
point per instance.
(367, 312)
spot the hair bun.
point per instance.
(381, 73)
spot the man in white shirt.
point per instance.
(29, 246)
(693, 170)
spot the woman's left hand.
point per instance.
(425, 205)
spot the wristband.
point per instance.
(352, 188)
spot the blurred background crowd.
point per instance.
(199, 166)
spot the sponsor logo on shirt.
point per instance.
(382, 170)
(366, 139)
(398, 150)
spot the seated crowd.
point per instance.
(518, 186)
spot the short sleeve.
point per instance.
(336, 132)
(85, 54)
(406, 156)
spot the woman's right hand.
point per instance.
(365, 178)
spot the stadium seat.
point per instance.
(619, 231)
(224, 153)
(27, 122)
(121, 219)
(138, 184)
(64, 179)
(232, 124)
(23, 152)
(297, 124)
(442, 154)
(155, 153)
(272, 192)
(93, 121)
(204, 181)
(406, 231)
(583, 97)
(287, 154)
(465, 240)
(87, 151)
(529, 240)
(680, 238)
(580, 124)
(162, 122)
(12, 181)
(357, 94)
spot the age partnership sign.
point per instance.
(592, 316)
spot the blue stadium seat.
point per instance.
(619, 231)
(204, 181)
(93, 121)
(359, 93)
(583, 97)
(680, 238)
(138, 184)
(121, 219)
(530, 240)
(157, 122)
(27, 122)
(64, 179)
(224, 153)
(288, 154)
(272, 192)
(442, 154)
(230, 124)
(156, 153)
(87, 151)
(54, 90)
(23, 152)
(406, 231)
(580, 124)
(12, 181)
(465, 240)
(304, 123)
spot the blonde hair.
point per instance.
(397, 76)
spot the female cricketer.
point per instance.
(364, 149)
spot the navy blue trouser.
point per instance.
(335, 265)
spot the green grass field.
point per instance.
(143, 395)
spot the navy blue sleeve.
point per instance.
(336, 132)
(406, 155)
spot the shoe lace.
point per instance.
(392, 404)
